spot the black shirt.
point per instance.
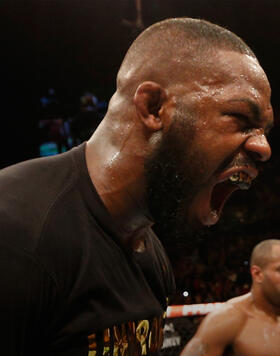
(68, 285)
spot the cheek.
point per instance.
(277, 280)
(273, 281)
(221, 147)
(208, 153)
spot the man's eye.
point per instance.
(242, 120)
(240, 116)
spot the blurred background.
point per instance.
(59, 60)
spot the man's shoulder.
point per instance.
(235, 309)
(28, 191)
(240, 306)
(220, 328)
(34, 169)
(229, 318)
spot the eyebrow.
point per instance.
(255, 110)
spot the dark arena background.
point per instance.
(59, 60)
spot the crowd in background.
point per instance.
(61, 129)
(215, 271)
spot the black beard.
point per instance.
(170, 188)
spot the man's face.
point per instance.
(271, 278)
(217, 136)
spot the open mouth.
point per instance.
(222, 190)
(208, 204)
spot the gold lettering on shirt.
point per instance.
(120, 340)
(155, 341)
(129, 339)
(141, 334)
(106, 340)
(92, 345)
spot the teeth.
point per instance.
(241, 178)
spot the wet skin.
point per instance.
(228, 99)
(248, 331)
(248, 325)
(271, 278)
(196, 129)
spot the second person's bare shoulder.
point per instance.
(240, 308)
(234, 312)
(228, 320)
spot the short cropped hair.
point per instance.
(262, 252)
(167, 44)
(207, 34)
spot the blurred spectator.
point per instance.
(60, 131)
(50, 104)
(53, 136)
(84, 123)
(215, 271)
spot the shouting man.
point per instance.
(82, 272)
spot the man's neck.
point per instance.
(121, 188)
(264, 306)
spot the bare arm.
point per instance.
(217, 331)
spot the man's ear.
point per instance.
(257, 274)
(148, 100)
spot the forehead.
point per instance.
(238, 66)
(275, 253)
(274, 258)
(224, 77)
(234, 70)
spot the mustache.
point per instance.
(240, 160)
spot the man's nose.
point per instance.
(258, 146)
